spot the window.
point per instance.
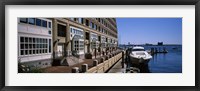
(23, 20)
(99, 29)
(99, 37)
(61, 30)
(71, 30)
(31, 21)
(72, 19)
(91, 25)
(31, 45)
(38, 22)
(102, 21)
(80, 20)
(21, 39)
(44, 23)
(99, 19)
(78, 45)
(49, 32)
(87, 22)
(87, 35)
(49, 45)
(49, 24)
(95, 27)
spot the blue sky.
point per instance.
(149, 30)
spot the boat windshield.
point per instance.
(138, 49)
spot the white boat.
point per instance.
(139, 55)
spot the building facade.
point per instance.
(35, 41)
(45, 39)
(83, 35)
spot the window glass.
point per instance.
(21, 39)
(22, 46)
(26, 52)
(44, 23)
(34, 45)
(26, 46)
(33, 40)
(30, 46)
(49, 32)
(22, 52)
(61, 30)
(30, 40)
(80, 20)
(38, 22)
(33, 51)
(95, 26)
(91, 25)
(87, 22)
(49, 24)
(30, 51)
(23, 20)
(49, 45)
(31, 21)
(26, 39)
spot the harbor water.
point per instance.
(170, 62)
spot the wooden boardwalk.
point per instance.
(117, 68)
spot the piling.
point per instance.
(123, 59)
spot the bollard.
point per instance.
(101, 59)
(75, 70)
(95, 62)
(84, 67)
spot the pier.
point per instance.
(157, 50)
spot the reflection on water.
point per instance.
(170, 62)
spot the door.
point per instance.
(60, 51)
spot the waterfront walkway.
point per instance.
(67, 69)
(89, 62)
(117, 68)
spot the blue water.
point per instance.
(170, 62)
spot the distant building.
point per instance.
(148, 44)
(160, 43)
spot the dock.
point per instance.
(157, 50)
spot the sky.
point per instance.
(149, 30)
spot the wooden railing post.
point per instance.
(75, 70)
(84, 67)
(95, 62)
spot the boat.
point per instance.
(139, 55)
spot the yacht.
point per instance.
(139, 55)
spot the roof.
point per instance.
(138, 47)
